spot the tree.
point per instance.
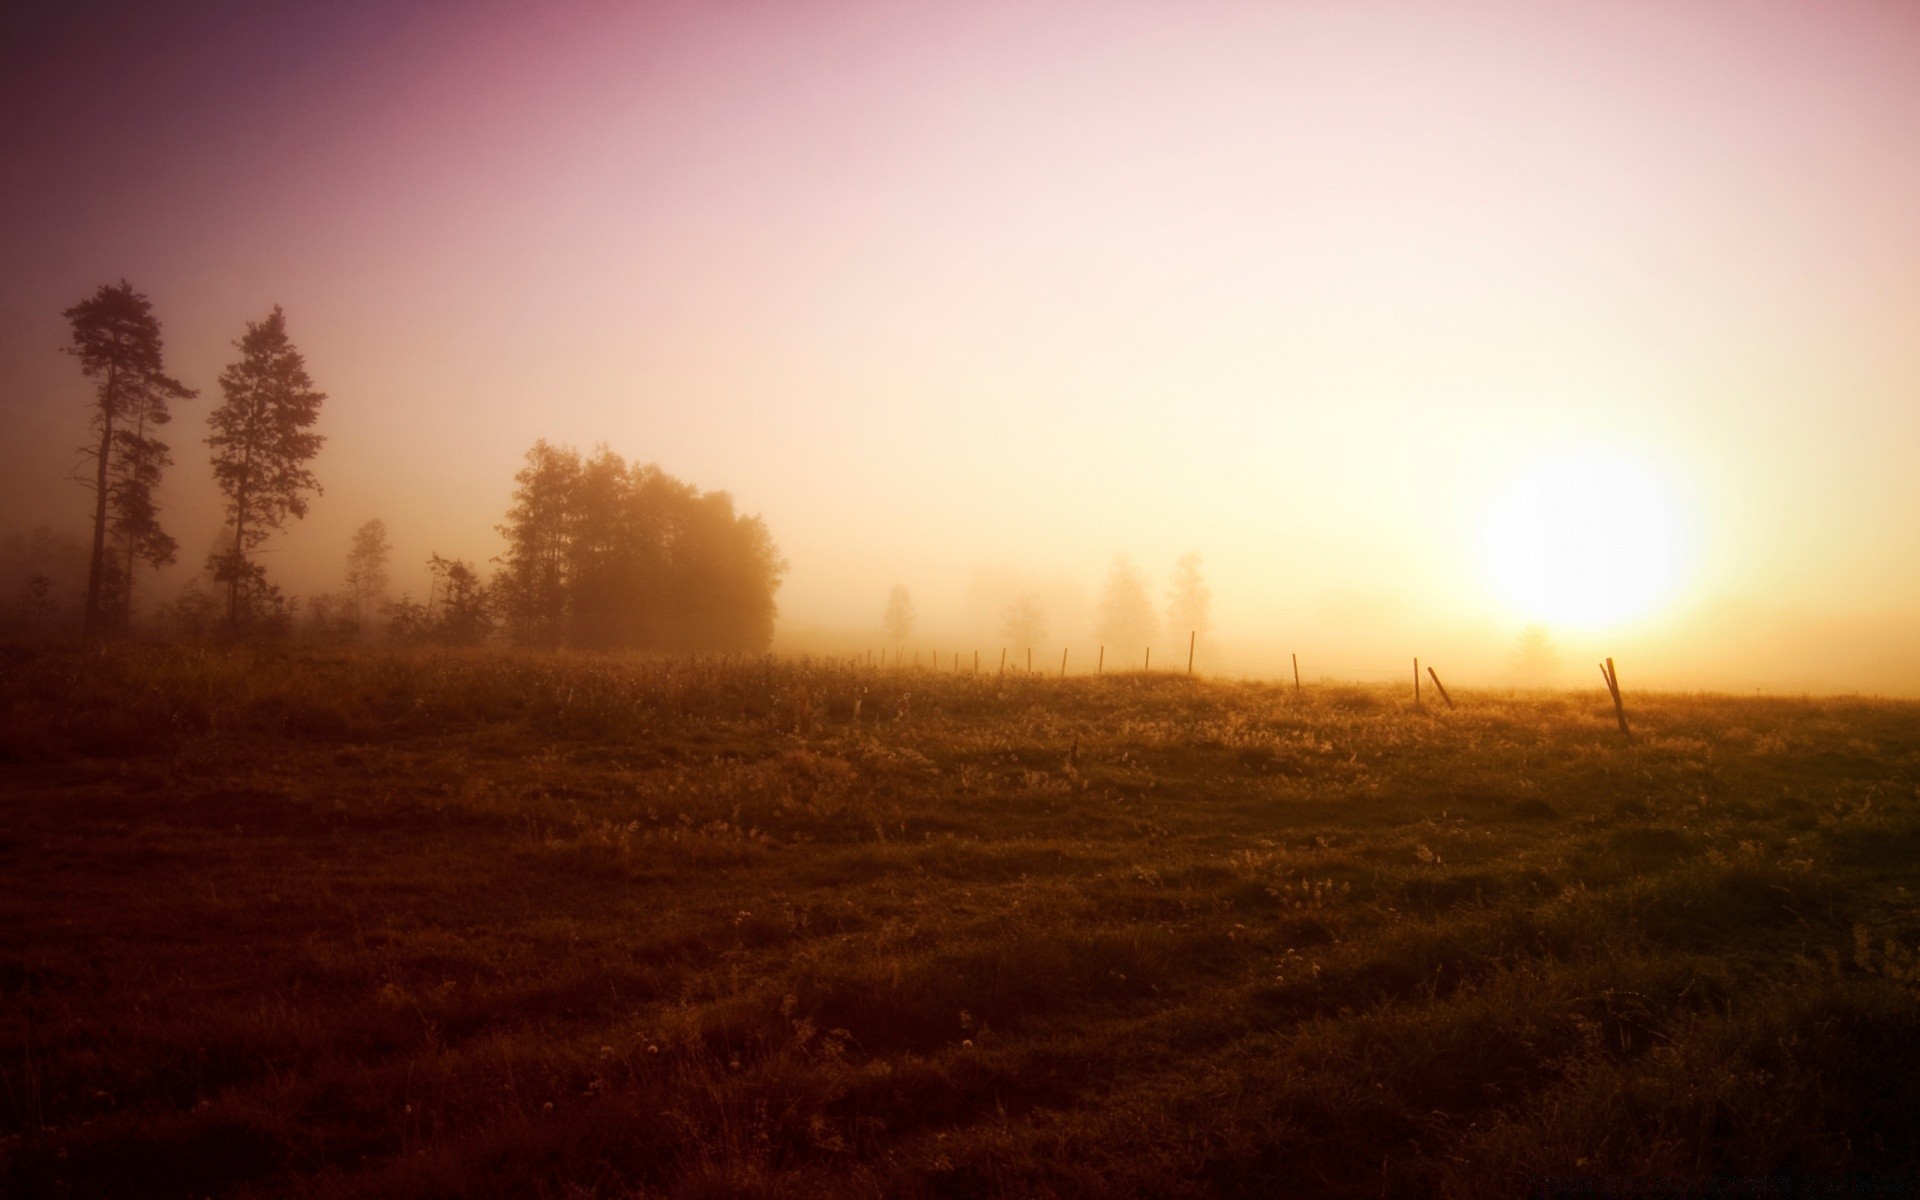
(1127, 618)
(898, 618)
(603, 554)
(137, 467)
(260, 450)
(536, 570)
(1024, 622)
(367, 570)
(464, 617)
(1190, 602)
(117, 340)
(1535, 657)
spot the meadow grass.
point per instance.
(291, 922)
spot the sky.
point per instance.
(976, 296)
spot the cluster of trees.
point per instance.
(260, 443)
(600, 553)
(606, 554)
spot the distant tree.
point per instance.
(463, 616)
(1127, 619)
(117, 340)
(367, 570)
(1535, 657)
(33, 608)
(603, 554)
(193, 613)
(330, 617)
(899, 616)
(260, 450)
(536, 574)
(1024, 622)
(38, 569)
(407, 620)
(723, 572)
(1190, 602)
(603, 562)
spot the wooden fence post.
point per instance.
(1296, 674)
(1003, 660)
(1192, 636)
(1100, 668)
(1612, 677)
(1149, 665)
(1441, 686)
(1063, 662)
(1029, 660)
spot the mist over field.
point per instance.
(823, 599)
(975, 298)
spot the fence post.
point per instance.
(1441, 686)
(1100, 668)
(1003, 660)
(1149, 666)
(1192, 636)
(1063, 662)
(1613, 687)
(1296, 674)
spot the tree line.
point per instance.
(1126, 619)
(600, 553)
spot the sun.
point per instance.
(1585, 537)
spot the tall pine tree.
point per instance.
(260, 450)
(117, 340)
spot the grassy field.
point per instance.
(328, 924)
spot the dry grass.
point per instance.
(293, 923)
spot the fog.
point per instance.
(975, 298)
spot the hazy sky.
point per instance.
(963, 295)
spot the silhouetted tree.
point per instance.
(367, 570)
(260, 450)
(463, 615)
(1127, 618)
(1024, 622)
(898, 617)
(725, 569)
(535, 578)
(1190, 602)
(117, 340)
(600, 553)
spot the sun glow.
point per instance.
(1585, 537)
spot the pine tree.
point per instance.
(260, 450)
(117, 340)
